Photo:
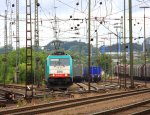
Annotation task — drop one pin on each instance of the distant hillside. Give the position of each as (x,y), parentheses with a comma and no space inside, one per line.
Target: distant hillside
(2,50)
(83,47)
(148,43)
(136,47)
(72,46)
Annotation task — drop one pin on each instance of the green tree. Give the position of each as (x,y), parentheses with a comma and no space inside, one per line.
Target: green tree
(104,61)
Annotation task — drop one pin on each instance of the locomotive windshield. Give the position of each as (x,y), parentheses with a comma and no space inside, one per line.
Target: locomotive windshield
(59,62)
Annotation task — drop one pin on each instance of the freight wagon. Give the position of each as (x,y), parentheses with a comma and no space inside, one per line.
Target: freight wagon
(78,73)
(95,73)
(138,71)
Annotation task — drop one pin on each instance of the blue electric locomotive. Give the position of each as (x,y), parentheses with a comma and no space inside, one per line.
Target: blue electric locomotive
(58,71)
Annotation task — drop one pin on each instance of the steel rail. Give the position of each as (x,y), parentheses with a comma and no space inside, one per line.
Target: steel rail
(6,90)
(54,106)
(92,87)
(144,112)
(123,108)
(81,86)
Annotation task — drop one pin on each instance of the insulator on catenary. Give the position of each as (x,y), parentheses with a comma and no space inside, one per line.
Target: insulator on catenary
(77,3)
(38,4)
(13,5)
(70,16)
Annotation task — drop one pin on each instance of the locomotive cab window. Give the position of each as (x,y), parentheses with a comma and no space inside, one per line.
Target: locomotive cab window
(59,62)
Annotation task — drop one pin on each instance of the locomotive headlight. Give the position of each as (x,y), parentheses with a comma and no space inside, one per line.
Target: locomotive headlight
(65,74)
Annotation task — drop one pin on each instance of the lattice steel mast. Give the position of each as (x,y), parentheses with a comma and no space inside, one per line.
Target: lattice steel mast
(36,43)
(17,40)
(55,24)
(29,76)
(5,48)
(10,29)
(36,30)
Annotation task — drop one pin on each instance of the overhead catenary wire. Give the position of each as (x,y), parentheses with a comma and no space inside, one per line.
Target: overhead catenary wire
(72,7)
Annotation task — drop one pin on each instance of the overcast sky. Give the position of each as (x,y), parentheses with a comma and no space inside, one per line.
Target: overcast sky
(106,13)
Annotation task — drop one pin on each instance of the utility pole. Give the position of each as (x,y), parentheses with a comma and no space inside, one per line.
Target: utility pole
(120,38)
(89,44)
(104,55)
(145,50)
(17,41)
(80,50)
(125,43)
(36,44)
(117,52)
(117,55)
(131,47)
(110,57)
(97,52)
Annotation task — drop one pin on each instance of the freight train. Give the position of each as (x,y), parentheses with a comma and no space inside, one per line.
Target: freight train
(138,71)
(95,73)
(58,71)
(80,73)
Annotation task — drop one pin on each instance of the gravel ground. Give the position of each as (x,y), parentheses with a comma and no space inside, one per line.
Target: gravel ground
(89,108)
(100,106)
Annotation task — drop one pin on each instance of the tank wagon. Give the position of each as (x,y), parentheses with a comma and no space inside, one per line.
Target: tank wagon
(95,73)
(138,71)
(58,71)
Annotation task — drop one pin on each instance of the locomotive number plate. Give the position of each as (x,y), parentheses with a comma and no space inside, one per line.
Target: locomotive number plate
(59,71)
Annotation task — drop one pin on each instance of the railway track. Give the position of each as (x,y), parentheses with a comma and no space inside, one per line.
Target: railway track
(85,87)
(55,106)
(139,108)
(136,82)
(2,101)
(6,98)
(7,90)
(16,86)
(82,87)
(143,112)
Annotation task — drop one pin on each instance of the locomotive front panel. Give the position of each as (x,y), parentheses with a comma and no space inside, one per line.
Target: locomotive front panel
(59,68)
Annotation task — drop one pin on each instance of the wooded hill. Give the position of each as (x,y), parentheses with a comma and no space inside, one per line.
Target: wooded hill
(82,47)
